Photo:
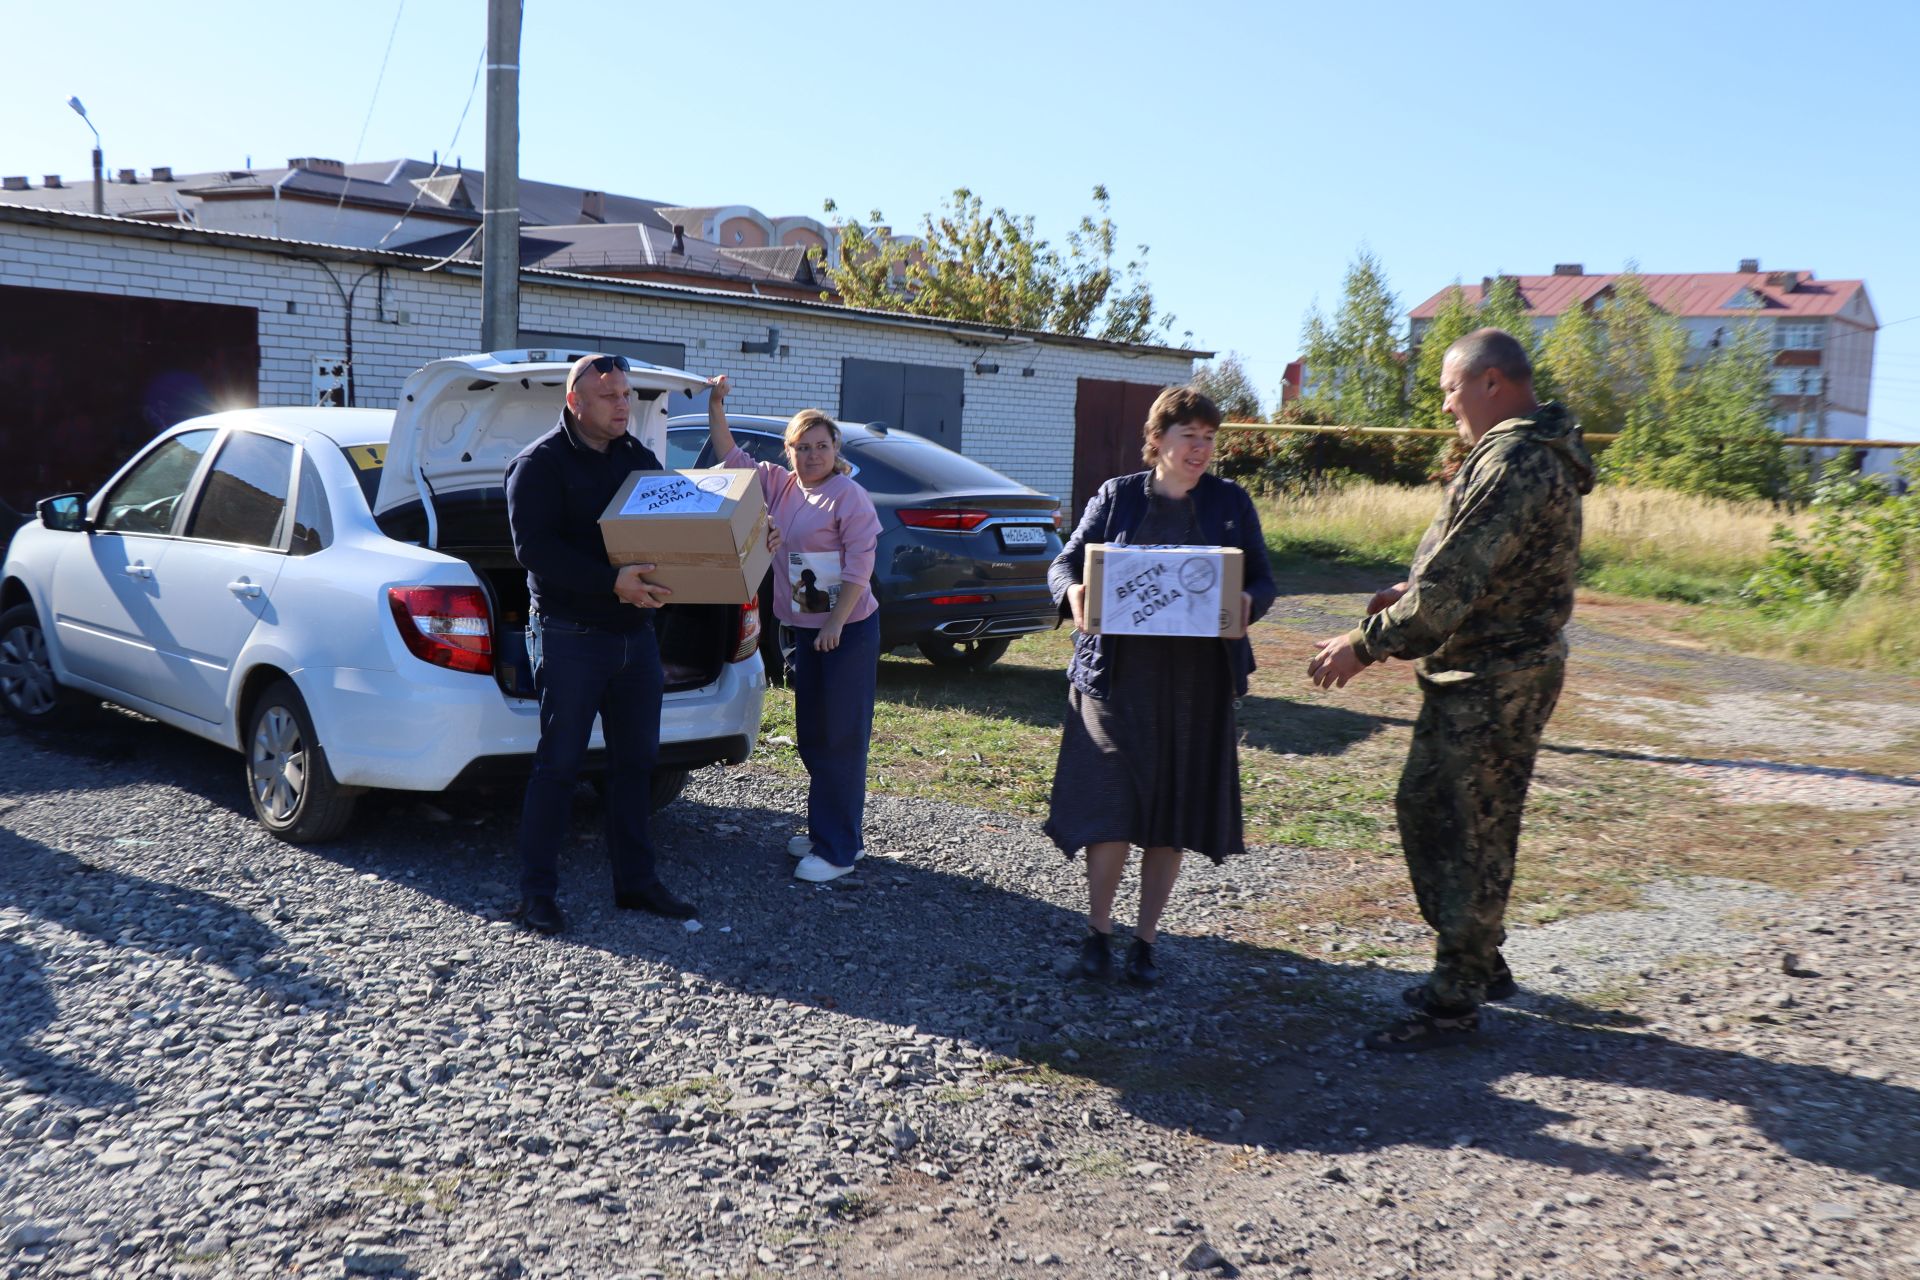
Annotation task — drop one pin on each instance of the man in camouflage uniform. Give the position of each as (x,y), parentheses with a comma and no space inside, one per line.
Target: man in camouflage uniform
(1482,609)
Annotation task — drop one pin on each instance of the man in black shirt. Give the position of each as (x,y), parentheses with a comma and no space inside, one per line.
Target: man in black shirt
(590,636)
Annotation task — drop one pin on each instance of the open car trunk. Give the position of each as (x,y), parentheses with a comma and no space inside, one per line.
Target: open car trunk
(459,423)
(695,639)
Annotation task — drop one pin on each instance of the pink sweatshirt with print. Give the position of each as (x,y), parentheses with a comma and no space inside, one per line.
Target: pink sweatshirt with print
(833,527)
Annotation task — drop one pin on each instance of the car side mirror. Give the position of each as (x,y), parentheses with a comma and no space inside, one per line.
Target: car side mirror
(66,513)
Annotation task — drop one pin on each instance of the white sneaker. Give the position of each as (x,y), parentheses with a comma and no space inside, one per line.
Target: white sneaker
(802,846)
(817,869)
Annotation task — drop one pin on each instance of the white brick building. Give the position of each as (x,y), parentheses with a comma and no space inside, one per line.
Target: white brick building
(1020,410)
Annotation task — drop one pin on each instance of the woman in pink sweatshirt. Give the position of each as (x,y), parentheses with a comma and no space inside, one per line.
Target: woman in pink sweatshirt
(823,597)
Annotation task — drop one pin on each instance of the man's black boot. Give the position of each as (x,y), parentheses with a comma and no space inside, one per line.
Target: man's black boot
(541,914)
(657,899)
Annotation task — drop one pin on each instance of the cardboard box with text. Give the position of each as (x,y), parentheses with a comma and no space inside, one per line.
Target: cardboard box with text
(1164,591)
(705,530)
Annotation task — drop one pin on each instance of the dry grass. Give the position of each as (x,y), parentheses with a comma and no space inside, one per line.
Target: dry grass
(1643,542)
(1676,531)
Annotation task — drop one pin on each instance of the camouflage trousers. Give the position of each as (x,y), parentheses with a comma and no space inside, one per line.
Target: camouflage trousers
(1459,806)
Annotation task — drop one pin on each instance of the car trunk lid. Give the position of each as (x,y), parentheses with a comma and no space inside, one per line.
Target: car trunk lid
(460,421)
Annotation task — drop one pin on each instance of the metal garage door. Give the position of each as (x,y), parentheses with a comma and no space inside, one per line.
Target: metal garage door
(921,398)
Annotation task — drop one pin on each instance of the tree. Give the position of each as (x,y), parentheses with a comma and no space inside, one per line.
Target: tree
(991,267)
(1453,321)
(1356,373)
(1711,433)
(1572,369)
(1504,308)
(1227,384)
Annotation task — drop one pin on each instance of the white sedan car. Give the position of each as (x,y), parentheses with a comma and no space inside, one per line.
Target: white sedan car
(333,593)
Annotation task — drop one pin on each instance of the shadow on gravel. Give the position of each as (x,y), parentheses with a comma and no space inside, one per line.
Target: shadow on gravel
(112,747)
(1233,1027)
(122,911)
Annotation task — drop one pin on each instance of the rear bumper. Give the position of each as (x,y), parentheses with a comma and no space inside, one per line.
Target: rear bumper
(1014,612)
(697,754)
(422,728)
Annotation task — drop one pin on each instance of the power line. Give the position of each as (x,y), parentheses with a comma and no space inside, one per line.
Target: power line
(347,182)
(419,187)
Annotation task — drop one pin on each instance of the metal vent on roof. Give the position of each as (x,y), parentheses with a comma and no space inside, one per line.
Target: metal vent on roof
(1568,269)
(163,173)
(446,190)
(14,182)
(1749,266)
(51,182)
(316,164)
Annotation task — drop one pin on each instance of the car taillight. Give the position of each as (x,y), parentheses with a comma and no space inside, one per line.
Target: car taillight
(951,519)
(447,626)
(746,631)
(1059,520)
(960,599)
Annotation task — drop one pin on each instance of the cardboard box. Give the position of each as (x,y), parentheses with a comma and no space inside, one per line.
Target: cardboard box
(1164,591)
(705,530)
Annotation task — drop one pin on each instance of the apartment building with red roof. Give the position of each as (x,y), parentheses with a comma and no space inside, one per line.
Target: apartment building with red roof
(1821,331)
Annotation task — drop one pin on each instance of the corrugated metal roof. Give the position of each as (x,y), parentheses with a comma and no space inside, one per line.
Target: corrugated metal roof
(1703,294)
(411,259)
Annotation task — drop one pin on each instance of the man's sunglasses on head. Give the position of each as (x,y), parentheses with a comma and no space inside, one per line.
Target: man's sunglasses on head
(607,364)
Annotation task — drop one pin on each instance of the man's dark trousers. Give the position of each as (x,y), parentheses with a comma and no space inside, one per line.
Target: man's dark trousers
(582,671)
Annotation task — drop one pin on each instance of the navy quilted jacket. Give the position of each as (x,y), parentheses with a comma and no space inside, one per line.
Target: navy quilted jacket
(1227,518)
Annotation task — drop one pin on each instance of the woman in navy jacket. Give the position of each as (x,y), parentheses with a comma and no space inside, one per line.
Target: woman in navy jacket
(1149,755)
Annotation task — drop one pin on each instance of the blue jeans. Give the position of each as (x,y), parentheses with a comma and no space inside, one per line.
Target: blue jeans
(582,672)
(833,722)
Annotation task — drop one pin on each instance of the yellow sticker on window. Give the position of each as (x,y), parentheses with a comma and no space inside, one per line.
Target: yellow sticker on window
(367,457)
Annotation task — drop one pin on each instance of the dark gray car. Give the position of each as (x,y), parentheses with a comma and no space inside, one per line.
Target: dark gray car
(961,567)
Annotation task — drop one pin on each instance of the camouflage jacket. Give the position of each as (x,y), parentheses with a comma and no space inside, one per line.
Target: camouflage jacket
(1492,583)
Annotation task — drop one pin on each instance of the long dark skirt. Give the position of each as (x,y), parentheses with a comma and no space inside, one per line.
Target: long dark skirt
(1156,763)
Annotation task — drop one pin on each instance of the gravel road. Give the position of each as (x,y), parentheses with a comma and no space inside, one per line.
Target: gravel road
(224,1056)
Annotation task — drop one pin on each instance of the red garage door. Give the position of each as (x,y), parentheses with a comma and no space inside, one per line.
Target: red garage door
(86,378)
(1107,420)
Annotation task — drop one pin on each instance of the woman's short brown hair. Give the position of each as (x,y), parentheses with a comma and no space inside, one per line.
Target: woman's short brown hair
(805,421)
(1172,407)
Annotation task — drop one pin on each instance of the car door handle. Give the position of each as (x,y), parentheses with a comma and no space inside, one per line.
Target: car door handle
(244,589)
(137,570)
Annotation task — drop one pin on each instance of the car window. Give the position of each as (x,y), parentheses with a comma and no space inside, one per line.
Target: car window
(899,465)
(312,520)
(762,447)
(144,500)
(684,445)
(368,461)
(246,492)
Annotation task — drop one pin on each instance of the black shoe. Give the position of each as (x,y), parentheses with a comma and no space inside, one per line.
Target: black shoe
(1096,956)
(1141,971)
(541,914)
(657,899)
(1501,988)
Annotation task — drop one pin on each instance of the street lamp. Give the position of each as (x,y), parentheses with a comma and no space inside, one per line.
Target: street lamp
(99,190)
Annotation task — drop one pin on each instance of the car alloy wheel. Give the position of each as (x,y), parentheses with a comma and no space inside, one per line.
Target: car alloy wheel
(26,671)
(279,764)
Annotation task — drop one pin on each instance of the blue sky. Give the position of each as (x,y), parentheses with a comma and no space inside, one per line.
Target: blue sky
(1254,147)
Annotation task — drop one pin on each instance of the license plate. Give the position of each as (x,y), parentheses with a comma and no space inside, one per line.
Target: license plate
(1023,536)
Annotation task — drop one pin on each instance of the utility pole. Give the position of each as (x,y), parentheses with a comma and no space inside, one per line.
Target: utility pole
(500,232)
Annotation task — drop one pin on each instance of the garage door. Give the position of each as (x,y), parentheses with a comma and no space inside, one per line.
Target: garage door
(922,398)
(86,378)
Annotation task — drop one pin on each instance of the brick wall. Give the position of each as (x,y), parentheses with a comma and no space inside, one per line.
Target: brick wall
(1021,425)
